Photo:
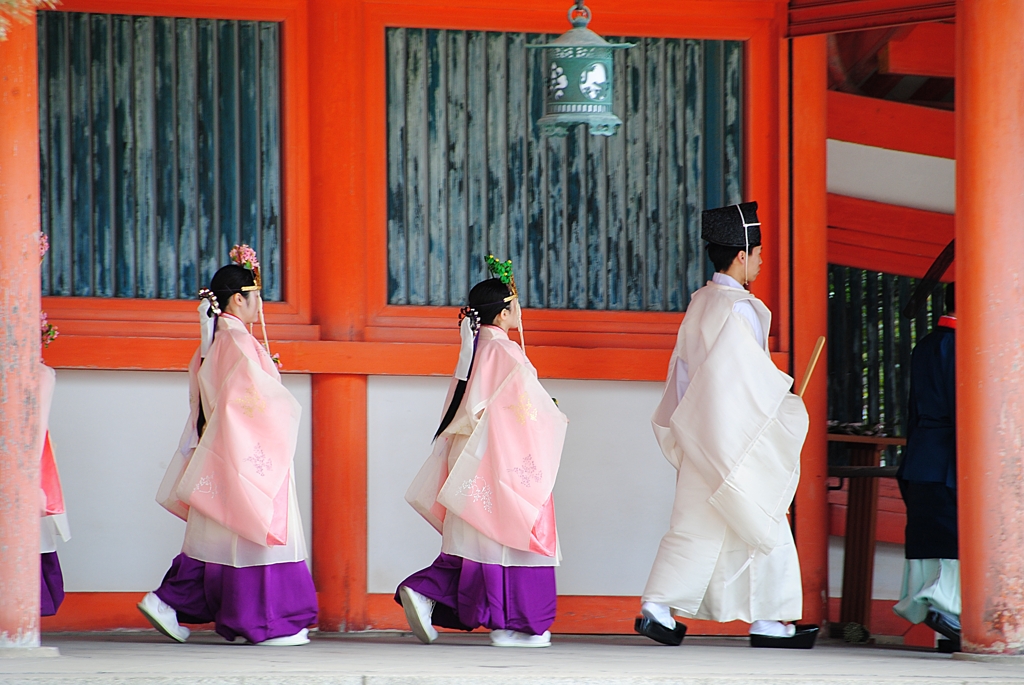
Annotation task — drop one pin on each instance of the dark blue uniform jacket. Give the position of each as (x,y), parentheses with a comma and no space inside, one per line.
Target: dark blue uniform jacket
(927,475)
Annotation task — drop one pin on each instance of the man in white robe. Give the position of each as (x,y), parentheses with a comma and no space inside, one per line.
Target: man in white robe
(731,427)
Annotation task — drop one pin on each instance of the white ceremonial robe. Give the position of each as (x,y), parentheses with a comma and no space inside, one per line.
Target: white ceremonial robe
(734,436)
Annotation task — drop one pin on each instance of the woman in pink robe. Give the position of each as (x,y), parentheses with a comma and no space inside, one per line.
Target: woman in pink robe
(242,565)
(487,489)
(54,522)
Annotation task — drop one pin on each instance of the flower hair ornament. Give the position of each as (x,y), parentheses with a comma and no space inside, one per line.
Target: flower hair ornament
(47,331)
(245,257)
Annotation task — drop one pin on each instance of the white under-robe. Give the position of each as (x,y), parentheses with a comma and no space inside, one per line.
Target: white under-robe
(735,437)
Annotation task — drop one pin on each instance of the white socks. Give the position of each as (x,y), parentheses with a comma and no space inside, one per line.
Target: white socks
(418,610)
(512,638)
(772,629)
(658,613)
(299,638)
(163,617)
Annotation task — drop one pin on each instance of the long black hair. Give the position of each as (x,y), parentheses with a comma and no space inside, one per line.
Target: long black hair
(488,299)
(228,280)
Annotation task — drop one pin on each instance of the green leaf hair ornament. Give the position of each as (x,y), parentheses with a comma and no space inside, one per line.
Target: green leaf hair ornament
(503,272)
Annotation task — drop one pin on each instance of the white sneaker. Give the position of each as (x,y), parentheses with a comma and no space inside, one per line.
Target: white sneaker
(512,638)
(163,617)
(418,610)
(299,638)
(659,613)
(772,629)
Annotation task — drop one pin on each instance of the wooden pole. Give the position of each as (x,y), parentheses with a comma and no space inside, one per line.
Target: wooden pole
(811,363)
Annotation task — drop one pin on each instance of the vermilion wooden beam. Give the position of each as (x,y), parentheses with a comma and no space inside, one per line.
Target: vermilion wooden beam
(810,311)
(577,615)
(989,299)
(339,500)
(887,238)
(807,17)
(364,358)
(890,125)
(928,50)
(20,446)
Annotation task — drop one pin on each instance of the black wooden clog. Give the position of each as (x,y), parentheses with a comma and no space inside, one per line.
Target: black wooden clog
(660,633)
(804,638)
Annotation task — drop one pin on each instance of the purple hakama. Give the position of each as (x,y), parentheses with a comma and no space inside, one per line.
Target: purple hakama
(51,585)
(255,602)
(469,594)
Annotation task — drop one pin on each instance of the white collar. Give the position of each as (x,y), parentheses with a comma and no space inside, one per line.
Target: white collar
(726,280)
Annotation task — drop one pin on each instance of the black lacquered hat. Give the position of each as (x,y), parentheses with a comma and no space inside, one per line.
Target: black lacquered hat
(732,226)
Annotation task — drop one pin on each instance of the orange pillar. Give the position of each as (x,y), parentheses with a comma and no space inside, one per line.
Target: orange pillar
(19,341)
(810,311)
(339,500)
(338,238)
(990,309)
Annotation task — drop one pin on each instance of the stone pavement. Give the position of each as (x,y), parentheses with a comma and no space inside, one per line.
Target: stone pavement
(145,658)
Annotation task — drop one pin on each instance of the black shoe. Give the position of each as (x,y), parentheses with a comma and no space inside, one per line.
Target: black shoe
(803,639)
(942,625)
(659,633)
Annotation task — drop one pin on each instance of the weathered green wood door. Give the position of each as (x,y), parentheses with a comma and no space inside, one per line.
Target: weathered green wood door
(590,222)
(159,150)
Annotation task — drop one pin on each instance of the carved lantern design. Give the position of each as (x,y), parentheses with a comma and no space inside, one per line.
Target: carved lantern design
(579,74)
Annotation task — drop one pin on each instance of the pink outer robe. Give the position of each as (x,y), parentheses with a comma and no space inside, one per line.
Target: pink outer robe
(494,467)
(239,473)
(53,494)
(52,509)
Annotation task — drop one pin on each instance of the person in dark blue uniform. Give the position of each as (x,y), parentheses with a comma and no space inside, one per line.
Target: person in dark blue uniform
(927,480)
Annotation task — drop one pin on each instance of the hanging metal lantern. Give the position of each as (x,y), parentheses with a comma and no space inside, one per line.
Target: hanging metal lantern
(579,70)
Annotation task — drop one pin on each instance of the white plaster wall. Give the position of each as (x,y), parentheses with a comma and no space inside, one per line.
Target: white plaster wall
(114,433)
(897,178)
(613,496)
(888,577)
